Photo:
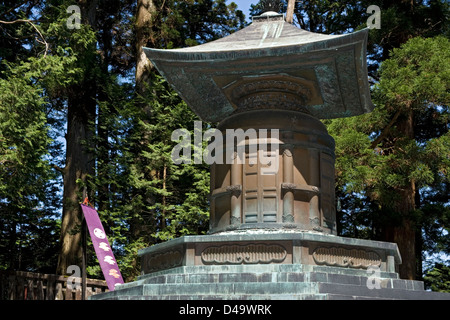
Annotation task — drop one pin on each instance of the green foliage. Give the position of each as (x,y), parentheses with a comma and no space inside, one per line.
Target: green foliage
(416,75)
(32,102)
(438,278)
(377,157)
(175,195)
(404,86)
(27,231)
(188,23)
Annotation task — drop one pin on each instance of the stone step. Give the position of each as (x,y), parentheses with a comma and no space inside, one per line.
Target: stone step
(286,282)
(256,288)
(346,291)
(225,278)
(215,289)
(267,290)
(257,269)
(273,277)
(339,285)
(236,297)
(331,296)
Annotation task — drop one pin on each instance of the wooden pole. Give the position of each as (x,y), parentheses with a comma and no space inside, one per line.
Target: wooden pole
(83,262)
(290,11)
(84,251)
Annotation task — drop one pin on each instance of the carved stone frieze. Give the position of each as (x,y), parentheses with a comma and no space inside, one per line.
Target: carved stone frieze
(272,92)
(244,254)
(271,100)
(164,260)
(283,88)
(343,257)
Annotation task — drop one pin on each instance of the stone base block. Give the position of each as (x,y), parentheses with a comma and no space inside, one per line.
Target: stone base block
(270,265)
(265,247)
(268,282)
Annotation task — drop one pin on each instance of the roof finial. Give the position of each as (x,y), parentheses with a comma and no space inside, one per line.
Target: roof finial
(271,6)
(269,11)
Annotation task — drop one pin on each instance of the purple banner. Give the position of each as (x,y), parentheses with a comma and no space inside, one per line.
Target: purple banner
(102,248)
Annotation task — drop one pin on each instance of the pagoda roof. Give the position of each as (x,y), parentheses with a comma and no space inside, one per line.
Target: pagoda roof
(324,75)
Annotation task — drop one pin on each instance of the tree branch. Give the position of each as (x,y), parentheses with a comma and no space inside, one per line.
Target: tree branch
(35,28)
(385,130)
(59,169)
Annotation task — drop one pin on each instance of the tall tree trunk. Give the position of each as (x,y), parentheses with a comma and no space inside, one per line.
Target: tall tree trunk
(404,234)
(145,10)
(79,161)
(79,164)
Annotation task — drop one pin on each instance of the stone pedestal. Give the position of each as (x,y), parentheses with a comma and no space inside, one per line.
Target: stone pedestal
(253,247)
(262,265)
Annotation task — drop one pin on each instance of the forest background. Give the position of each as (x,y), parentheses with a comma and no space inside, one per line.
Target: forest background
(84,113)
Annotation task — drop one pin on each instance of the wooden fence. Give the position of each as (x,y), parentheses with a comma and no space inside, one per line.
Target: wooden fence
(19,285)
